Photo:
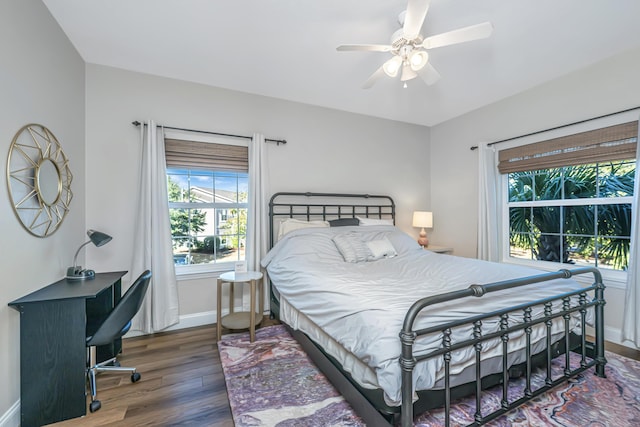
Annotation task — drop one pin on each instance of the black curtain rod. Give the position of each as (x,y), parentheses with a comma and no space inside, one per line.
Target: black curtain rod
(277,141)
(475,147)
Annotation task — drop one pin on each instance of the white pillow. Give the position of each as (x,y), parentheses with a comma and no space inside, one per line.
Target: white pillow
(352,248)
(381,249)
(290,224)
(402,242)
(374,221)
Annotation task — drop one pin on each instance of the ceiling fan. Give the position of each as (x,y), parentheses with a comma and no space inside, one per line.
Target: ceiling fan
(409,48)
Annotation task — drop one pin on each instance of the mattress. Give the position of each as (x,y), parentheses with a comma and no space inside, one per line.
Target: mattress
(355,310)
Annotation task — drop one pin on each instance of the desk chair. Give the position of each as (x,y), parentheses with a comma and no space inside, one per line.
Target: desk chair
(116,324)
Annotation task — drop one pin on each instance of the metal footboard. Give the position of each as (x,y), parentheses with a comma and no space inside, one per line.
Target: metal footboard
(590,355)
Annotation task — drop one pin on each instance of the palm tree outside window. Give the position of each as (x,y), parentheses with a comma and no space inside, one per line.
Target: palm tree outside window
(578,214)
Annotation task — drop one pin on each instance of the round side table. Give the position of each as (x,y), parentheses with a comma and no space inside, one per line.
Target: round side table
(241,319)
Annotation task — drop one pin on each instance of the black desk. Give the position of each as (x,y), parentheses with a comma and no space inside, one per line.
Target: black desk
(54,322)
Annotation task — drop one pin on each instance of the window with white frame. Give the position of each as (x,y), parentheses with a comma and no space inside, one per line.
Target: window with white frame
(569,199)
(208,197)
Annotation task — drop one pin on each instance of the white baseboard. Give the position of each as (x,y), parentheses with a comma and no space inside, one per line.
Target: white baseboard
(11,418)
(614,335)
(193,320)
(187,321)
(200,319)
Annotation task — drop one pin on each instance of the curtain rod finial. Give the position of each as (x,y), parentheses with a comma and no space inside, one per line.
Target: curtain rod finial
(135,123)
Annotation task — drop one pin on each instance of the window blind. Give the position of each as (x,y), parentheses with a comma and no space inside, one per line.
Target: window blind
(206,155)
(611,143)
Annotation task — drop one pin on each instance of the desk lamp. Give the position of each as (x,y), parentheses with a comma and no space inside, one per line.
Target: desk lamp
(76,272)
(423,220)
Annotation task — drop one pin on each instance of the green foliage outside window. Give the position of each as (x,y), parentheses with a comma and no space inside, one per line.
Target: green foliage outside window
(236,224)
(569,232)
(184,222)
(207,223)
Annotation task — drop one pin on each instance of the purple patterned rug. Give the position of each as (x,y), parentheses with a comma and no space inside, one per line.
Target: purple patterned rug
(272,382)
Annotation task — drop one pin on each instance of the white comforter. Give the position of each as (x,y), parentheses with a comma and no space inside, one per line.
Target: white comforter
(362,305)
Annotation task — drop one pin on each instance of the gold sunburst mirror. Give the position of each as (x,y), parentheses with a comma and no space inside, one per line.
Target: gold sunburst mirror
(39,180)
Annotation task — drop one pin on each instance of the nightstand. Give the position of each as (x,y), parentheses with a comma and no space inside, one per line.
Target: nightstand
(242,319)
(439,249)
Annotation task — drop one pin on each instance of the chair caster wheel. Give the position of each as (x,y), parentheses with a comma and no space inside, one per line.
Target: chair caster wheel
(135,377)
(94,406)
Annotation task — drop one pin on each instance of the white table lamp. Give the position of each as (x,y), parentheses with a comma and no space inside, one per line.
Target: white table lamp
(423,220)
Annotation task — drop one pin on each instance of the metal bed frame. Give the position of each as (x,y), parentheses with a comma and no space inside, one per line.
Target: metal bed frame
(370,405)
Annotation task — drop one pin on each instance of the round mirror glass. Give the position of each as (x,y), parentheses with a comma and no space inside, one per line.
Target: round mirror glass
(48,182)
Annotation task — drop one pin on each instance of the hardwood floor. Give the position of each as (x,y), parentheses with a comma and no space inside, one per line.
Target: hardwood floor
(631,353)
(182,383)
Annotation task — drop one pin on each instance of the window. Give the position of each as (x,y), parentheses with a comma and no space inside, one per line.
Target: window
(569,199)
(575,214)
(207,188)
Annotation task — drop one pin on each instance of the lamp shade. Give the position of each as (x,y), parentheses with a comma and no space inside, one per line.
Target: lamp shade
(98,238)
(423,219)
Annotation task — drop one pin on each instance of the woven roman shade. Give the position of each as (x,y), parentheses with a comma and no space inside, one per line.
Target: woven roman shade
(611,143)
(206,155)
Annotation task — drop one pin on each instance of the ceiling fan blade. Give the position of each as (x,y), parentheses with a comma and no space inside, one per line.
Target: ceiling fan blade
(414,18)
(365,47)
(461,35)
(429,74)
(374,78)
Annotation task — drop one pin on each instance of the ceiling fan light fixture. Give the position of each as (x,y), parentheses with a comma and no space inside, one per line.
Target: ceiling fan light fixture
(418,59)
(407,72)
(392,66)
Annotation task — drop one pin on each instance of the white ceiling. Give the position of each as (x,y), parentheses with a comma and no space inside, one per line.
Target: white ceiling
(287,48)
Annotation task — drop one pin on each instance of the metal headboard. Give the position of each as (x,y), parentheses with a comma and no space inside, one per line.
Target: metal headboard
(328,206)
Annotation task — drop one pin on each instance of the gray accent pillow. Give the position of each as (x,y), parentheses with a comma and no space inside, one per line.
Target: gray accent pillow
(342,222)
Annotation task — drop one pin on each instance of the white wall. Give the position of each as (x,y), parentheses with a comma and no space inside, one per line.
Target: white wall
(327,150)
(609,86)
(41,81)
